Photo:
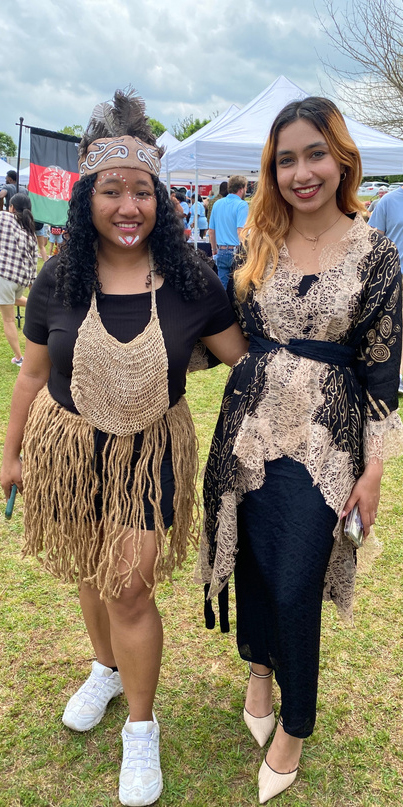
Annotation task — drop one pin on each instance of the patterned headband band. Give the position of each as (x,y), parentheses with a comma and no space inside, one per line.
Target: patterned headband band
(120,152)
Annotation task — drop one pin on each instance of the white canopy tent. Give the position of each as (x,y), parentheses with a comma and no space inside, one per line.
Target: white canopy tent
(24,176)
(4,168)
(187,147)
(234,145)
(167,140)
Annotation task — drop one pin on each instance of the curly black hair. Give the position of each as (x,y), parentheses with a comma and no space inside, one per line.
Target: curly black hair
(76,272)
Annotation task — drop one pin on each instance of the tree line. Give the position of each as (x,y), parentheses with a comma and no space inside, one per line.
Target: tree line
(181,130)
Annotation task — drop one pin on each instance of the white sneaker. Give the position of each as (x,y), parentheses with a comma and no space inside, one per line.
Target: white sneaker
(140,780)
(87,707)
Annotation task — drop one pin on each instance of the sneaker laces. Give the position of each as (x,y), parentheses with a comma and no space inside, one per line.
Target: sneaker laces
(93,690)
(139,751)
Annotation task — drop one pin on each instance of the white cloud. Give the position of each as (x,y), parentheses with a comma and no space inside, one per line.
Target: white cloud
(60,57)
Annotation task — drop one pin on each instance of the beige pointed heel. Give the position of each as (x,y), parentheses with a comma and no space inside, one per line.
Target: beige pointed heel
(272,783)
(260,727)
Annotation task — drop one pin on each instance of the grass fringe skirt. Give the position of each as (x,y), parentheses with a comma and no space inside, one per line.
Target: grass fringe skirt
(60,484)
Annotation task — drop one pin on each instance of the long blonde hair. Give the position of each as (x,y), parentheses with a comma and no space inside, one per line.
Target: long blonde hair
(270,215)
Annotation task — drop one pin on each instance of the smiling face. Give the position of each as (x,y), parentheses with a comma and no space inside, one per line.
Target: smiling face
(307,174)
(124,208)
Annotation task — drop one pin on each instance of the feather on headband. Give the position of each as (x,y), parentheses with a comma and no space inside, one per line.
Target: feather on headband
(118,135)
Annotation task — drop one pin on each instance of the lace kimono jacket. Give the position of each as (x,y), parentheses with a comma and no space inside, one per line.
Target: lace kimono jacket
(333,419)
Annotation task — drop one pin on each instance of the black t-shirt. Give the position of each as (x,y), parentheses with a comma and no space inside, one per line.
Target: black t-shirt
(48,322)
(11,191)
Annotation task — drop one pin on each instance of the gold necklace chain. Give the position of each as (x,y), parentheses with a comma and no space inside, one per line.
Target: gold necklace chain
(315,238)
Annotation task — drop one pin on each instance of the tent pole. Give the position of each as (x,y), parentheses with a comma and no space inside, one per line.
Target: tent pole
(195,221)
(168,177)
(19,153)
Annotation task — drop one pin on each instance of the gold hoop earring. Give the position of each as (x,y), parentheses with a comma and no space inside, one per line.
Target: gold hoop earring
(343,176)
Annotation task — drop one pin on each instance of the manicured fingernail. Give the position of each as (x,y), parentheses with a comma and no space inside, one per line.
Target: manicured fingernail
(343,514)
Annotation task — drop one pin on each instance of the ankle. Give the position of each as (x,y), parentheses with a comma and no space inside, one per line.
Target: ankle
(107,663)
(259,700)
(141,716)
(260,671)
(285,751)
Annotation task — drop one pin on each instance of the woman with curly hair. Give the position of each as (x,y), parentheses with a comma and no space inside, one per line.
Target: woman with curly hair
(17,265)
(106,433)
(308,416)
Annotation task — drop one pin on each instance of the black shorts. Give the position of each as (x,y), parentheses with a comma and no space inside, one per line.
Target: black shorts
(167,487)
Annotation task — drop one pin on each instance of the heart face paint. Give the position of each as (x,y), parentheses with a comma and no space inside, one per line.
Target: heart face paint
(129,240)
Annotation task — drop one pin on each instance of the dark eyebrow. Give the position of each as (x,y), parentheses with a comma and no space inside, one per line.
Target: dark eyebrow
(311,146)
(109,180)
(143,182)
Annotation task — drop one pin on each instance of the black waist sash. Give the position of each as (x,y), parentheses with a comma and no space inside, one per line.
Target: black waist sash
(326,352)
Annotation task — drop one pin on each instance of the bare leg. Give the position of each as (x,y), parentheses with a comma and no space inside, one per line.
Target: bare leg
(41,247)
(259,693)
(97,623)
(284,752)
(136,635)
(10,329)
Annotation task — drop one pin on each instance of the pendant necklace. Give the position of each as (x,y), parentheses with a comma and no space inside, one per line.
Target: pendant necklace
(315,238)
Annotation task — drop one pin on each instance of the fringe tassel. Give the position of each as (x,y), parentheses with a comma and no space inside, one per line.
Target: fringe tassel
(60,485)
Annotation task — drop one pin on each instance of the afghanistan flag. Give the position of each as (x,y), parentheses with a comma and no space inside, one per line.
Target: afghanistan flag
(53,172)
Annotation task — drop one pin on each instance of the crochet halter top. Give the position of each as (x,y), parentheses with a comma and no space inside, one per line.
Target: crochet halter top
(120,388)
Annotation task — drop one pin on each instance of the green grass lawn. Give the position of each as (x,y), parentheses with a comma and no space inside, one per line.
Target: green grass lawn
(209,759)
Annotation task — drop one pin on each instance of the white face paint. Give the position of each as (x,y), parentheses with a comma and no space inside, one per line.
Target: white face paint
(129,240)
(115,219)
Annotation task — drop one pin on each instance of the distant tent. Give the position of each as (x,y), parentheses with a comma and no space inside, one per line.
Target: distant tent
(186,148)
(167,140)
(24,175)
(5,167)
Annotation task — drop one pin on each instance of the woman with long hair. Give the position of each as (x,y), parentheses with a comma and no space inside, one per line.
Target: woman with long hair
(17,265)
(308,416)
(106,433)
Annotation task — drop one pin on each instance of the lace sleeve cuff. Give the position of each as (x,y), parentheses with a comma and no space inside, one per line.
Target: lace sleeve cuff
(383,439)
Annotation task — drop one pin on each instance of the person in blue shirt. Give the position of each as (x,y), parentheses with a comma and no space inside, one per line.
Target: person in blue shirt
(181,207)
(202,223)
(228,217)
(388,219)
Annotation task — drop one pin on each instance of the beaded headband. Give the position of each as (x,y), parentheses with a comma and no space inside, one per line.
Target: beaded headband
(120,152)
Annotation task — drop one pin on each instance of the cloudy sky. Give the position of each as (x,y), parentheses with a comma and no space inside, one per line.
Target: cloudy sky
(61,57)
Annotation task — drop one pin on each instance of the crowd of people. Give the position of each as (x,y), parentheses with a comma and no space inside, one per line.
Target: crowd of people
(306,310)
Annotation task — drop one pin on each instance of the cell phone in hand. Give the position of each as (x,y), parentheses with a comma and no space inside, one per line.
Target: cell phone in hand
(353,527)
(10,502)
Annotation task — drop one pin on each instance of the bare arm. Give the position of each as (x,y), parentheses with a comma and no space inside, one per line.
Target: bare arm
(32,377)
(229,345)
(213,242)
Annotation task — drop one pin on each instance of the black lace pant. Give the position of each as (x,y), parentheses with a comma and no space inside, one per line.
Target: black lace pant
(285,540)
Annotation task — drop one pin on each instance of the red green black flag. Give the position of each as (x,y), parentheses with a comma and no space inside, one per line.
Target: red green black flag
(53,172)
